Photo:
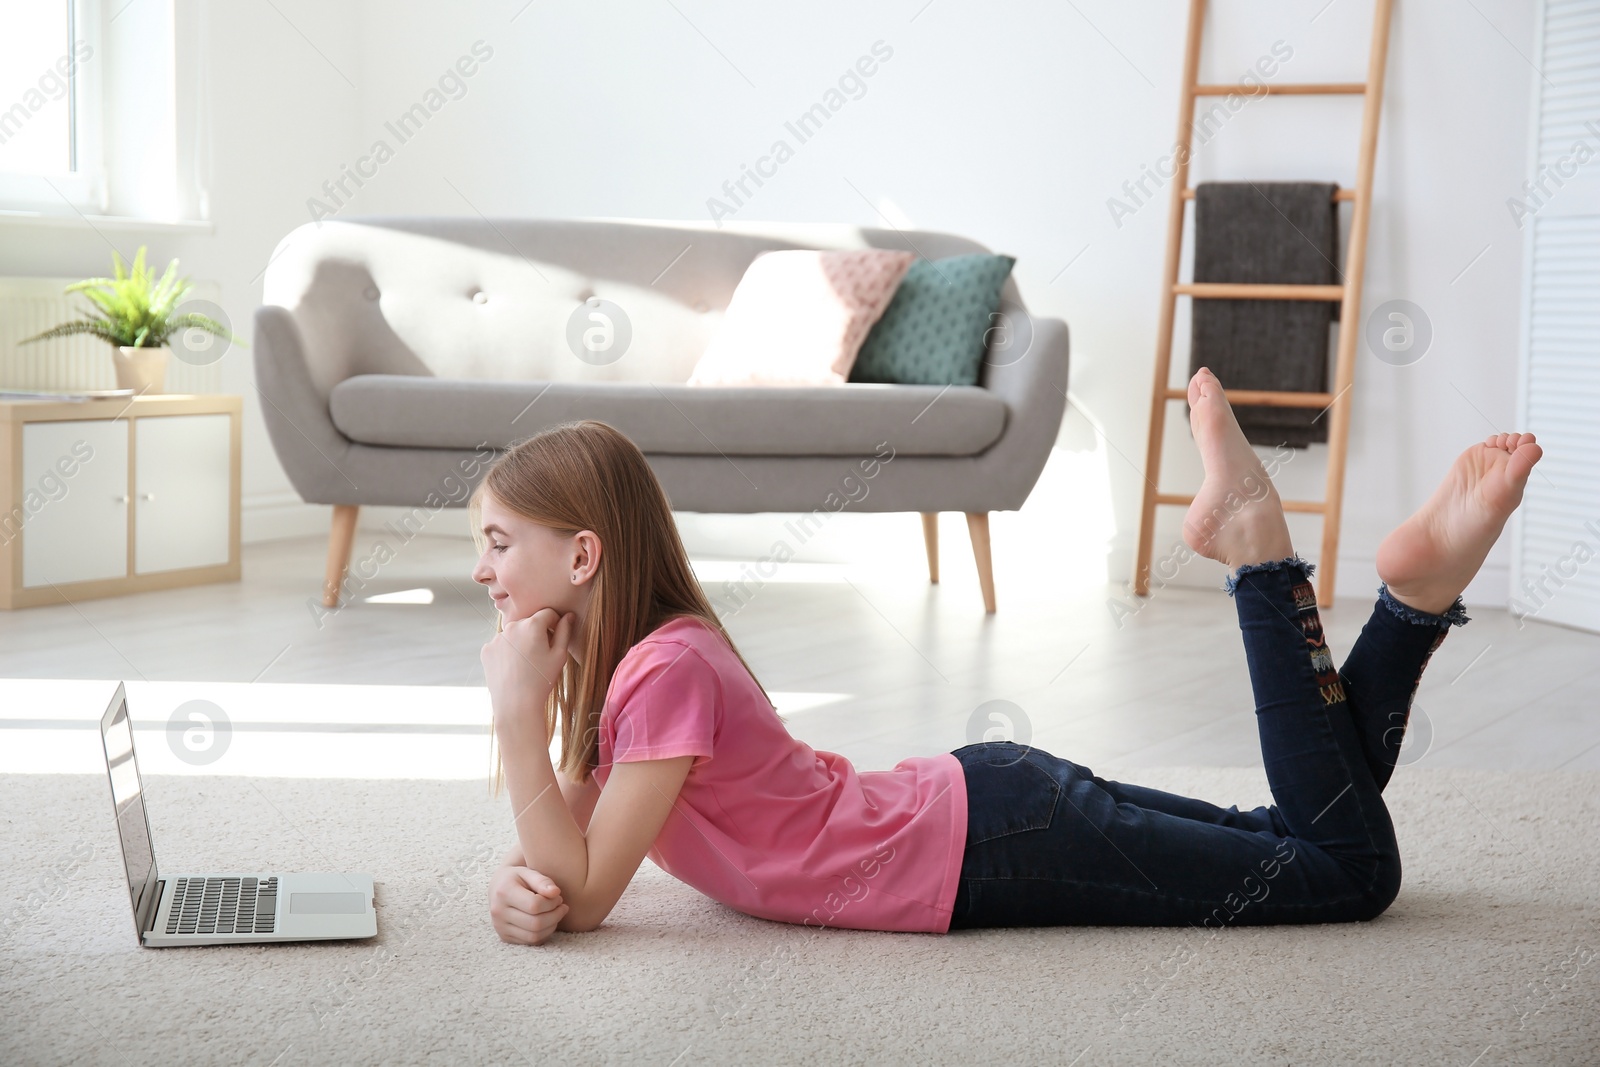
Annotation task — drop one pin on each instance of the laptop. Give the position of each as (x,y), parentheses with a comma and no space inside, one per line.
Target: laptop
(219,909)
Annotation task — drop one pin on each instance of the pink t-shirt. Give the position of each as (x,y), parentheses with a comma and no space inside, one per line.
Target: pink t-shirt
(766,824)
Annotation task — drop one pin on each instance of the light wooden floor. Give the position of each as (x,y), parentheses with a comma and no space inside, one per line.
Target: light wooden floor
(900,665)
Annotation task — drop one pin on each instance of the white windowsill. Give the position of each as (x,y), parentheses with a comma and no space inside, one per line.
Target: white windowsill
(104,222)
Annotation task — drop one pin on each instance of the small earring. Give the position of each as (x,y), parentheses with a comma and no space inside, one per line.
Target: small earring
(574,577)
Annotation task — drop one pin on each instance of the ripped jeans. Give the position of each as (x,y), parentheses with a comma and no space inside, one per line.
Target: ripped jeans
(1050,844)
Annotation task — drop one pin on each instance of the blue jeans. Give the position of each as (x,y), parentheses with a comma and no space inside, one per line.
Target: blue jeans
(1050,844)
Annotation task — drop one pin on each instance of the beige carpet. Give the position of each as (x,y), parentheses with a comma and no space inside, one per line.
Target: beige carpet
(1488,957)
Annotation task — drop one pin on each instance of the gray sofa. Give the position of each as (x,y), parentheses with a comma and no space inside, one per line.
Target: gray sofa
(391,353)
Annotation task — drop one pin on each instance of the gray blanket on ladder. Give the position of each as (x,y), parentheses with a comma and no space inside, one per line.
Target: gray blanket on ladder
(1283,232)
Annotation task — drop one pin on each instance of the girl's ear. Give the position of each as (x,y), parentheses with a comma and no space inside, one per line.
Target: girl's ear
(586,551)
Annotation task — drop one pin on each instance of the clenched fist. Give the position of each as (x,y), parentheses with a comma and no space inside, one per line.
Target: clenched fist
(524,905)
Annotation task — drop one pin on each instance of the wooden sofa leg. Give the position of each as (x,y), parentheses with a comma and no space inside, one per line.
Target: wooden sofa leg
(978,528)
(340,538)
(930,538)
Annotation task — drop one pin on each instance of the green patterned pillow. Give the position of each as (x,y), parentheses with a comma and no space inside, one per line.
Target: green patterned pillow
(932,332)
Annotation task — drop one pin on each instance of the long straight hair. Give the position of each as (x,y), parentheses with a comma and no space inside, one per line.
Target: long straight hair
(588,476)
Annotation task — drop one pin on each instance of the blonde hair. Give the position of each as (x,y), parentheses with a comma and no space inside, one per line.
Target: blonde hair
(588,476)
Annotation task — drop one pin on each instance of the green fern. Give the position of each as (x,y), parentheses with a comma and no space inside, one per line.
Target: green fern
(135,308)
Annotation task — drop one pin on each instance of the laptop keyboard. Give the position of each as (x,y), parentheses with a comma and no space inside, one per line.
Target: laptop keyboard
(223,906)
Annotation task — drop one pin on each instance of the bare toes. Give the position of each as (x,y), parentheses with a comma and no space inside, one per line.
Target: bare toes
(1522,461)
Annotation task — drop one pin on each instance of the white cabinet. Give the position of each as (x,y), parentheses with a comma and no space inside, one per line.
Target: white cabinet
(180,492)
(117,495)
(1555,534)
(76,476)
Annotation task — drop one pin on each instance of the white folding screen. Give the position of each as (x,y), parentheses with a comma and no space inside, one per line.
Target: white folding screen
(1555,571)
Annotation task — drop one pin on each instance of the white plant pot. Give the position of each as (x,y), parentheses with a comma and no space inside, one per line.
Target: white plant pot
(144,370)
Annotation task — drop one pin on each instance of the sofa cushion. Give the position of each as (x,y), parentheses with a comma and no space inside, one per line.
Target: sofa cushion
(799,316)
(934,331)
(416,411)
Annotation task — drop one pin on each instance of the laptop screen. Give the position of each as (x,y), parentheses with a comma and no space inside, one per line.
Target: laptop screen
(127,793)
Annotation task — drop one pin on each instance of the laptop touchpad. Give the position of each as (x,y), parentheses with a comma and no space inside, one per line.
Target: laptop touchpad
(327,903)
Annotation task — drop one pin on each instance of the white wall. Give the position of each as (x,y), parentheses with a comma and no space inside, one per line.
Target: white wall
(1010,122)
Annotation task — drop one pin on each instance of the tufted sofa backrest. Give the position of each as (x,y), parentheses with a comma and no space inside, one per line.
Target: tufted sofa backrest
(492,298)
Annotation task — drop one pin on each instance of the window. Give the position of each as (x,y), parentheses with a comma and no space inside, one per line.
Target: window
(91,120)
(50,157)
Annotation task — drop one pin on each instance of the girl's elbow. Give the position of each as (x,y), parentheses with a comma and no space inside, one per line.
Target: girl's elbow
(573,923)
(584,917)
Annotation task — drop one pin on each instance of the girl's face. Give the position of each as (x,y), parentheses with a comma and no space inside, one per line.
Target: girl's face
(528,567)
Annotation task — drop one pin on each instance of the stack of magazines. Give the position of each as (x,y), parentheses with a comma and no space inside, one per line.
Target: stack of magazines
(50,394)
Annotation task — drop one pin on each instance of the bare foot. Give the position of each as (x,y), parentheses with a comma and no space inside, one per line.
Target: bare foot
(1236,517)
(1429,559)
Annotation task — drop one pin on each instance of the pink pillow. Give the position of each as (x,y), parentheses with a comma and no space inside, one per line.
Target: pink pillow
(799,316)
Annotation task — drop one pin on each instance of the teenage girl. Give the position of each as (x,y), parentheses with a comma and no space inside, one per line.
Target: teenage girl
(671,748)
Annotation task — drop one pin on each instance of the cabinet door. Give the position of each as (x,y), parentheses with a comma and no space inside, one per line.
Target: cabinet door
(1553,532)
(181,489)
(77,475)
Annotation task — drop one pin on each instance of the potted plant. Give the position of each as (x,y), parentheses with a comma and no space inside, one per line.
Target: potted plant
(136,317)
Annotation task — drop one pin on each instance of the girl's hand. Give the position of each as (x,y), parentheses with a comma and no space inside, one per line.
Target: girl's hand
(524,906)
(522,663)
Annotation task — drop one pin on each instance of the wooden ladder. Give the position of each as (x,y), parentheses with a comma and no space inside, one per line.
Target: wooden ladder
(1348,295)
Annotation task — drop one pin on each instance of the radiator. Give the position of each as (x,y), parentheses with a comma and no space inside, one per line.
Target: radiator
(32,305)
